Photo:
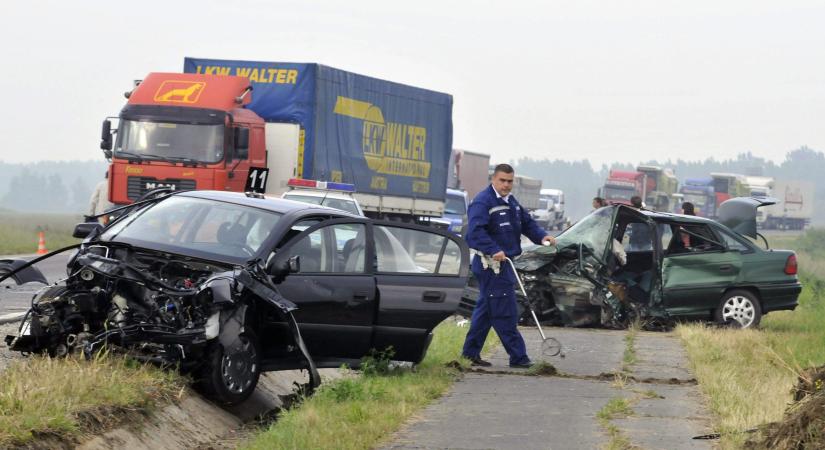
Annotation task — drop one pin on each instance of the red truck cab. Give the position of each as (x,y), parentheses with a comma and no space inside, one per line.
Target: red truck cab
(621,185)
(183,131)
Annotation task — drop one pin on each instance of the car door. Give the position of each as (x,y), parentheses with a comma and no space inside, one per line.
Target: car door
(420,273)
(334,289)
(697,268)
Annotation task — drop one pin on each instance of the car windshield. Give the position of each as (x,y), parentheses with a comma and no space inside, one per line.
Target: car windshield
(455,205)
(337,203)
(593,231)
(170,141)
(197,227)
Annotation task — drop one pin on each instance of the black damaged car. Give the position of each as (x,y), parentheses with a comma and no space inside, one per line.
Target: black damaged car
(226,286)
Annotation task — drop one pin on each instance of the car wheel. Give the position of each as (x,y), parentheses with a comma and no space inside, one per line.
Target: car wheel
(739,306)
(229,376)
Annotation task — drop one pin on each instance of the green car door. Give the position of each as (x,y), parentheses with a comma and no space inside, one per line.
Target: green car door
(697,268)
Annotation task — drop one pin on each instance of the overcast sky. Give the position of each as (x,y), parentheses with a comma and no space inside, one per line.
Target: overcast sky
(602,80)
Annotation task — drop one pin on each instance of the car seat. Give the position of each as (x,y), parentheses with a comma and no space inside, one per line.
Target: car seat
(232,234)
(354,253)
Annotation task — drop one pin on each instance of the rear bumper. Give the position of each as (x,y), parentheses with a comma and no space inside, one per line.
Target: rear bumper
(778,297)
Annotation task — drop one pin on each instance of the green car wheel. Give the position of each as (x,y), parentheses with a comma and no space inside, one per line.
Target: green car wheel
(740,306)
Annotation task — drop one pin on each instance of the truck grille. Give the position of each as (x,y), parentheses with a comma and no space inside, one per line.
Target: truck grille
(137,186)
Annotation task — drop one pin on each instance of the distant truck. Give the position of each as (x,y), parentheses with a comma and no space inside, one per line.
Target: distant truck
(729,185)
(658,187)
(794,207)
(468,171)
(760,187)
(550,214)
(621,185)
(699,191)
(527,190)
(207,129)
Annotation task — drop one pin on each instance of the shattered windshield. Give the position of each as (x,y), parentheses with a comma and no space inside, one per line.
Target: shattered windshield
(197,227)
(593,231)
(166,140)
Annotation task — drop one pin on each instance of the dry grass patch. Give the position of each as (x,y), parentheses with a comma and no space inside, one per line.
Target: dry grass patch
(65,398)
(746,382)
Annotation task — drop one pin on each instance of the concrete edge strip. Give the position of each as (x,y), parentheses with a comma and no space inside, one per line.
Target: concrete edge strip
(12,317)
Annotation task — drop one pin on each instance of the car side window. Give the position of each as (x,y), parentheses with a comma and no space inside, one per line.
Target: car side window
(733,243)
(404,250)
(694,238)
(314,256)
(349,241)
(637,238)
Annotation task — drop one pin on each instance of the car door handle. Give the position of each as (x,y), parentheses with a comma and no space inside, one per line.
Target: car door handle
(433,296)
(360,296)
(725,268)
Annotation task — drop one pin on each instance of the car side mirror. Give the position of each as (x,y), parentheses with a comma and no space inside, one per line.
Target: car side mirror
(83,230)
(106,137)
(241,143)
(283,264)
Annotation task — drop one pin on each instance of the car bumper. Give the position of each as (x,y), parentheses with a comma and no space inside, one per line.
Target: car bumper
(778,297)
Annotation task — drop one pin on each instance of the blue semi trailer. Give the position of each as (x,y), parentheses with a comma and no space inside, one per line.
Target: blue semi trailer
(391,141)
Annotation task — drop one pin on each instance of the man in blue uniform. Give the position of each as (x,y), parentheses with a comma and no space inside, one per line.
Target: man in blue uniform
(497,222)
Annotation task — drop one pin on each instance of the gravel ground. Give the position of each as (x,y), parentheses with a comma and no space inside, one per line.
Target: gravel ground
(7,356)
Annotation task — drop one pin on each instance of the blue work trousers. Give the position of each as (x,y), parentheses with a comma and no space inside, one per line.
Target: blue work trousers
(496,308)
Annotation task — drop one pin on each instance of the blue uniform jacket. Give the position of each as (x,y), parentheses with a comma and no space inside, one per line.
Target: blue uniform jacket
(496,225)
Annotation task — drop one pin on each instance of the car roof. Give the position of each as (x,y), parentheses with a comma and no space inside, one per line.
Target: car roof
(322,193)
(660,216)
(278,205)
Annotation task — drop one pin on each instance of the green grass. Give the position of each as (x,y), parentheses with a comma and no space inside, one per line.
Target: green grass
(19,231)
(616,407)
(629,356)
(747,374)
(360,412)
(68,397)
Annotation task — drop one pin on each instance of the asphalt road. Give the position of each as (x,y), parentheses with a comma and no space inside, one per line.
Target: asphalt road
(502,408)
(14,298)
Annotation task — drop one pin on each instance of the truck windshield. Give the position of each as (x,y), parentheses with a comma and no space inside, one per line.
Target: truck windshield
(170,141)
(617,193)
(455,205)
(698,200)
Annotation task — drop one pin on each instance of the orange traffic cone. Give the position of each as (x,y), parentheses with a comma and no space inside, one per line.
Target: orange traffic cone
(41,243)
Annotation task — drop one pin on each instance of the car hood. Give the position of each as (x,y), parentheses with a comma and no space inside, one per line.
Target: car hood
(739,214)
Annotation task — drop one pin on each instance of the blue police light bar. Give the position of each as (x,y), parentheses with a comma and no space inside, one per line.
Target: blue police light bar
(327,185)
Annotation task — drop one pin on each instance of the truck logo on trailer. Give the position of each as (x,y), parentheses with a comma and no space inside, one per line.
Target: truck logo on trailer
(389,148)
(175,91)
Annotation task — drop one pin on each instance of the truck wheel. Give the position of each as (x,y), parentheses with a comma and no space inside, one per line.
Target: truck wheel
(229,376)
(739,306)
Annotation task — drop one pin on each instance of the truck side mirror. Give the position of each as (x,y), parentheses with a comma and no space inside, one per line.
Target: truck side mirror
(241,143)
(106,137)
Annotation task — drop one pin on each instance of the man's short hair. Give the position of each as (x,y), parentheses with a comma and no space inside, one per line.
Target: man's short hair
(636,201)
(506,168)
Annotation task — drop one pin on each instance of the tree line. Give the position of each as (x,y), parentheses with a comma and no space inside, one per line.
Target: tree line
(66,186)
(49,186)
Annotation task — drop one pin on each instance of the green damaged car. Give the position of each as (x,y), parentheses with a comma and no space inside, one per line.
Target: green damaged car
(621,264)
